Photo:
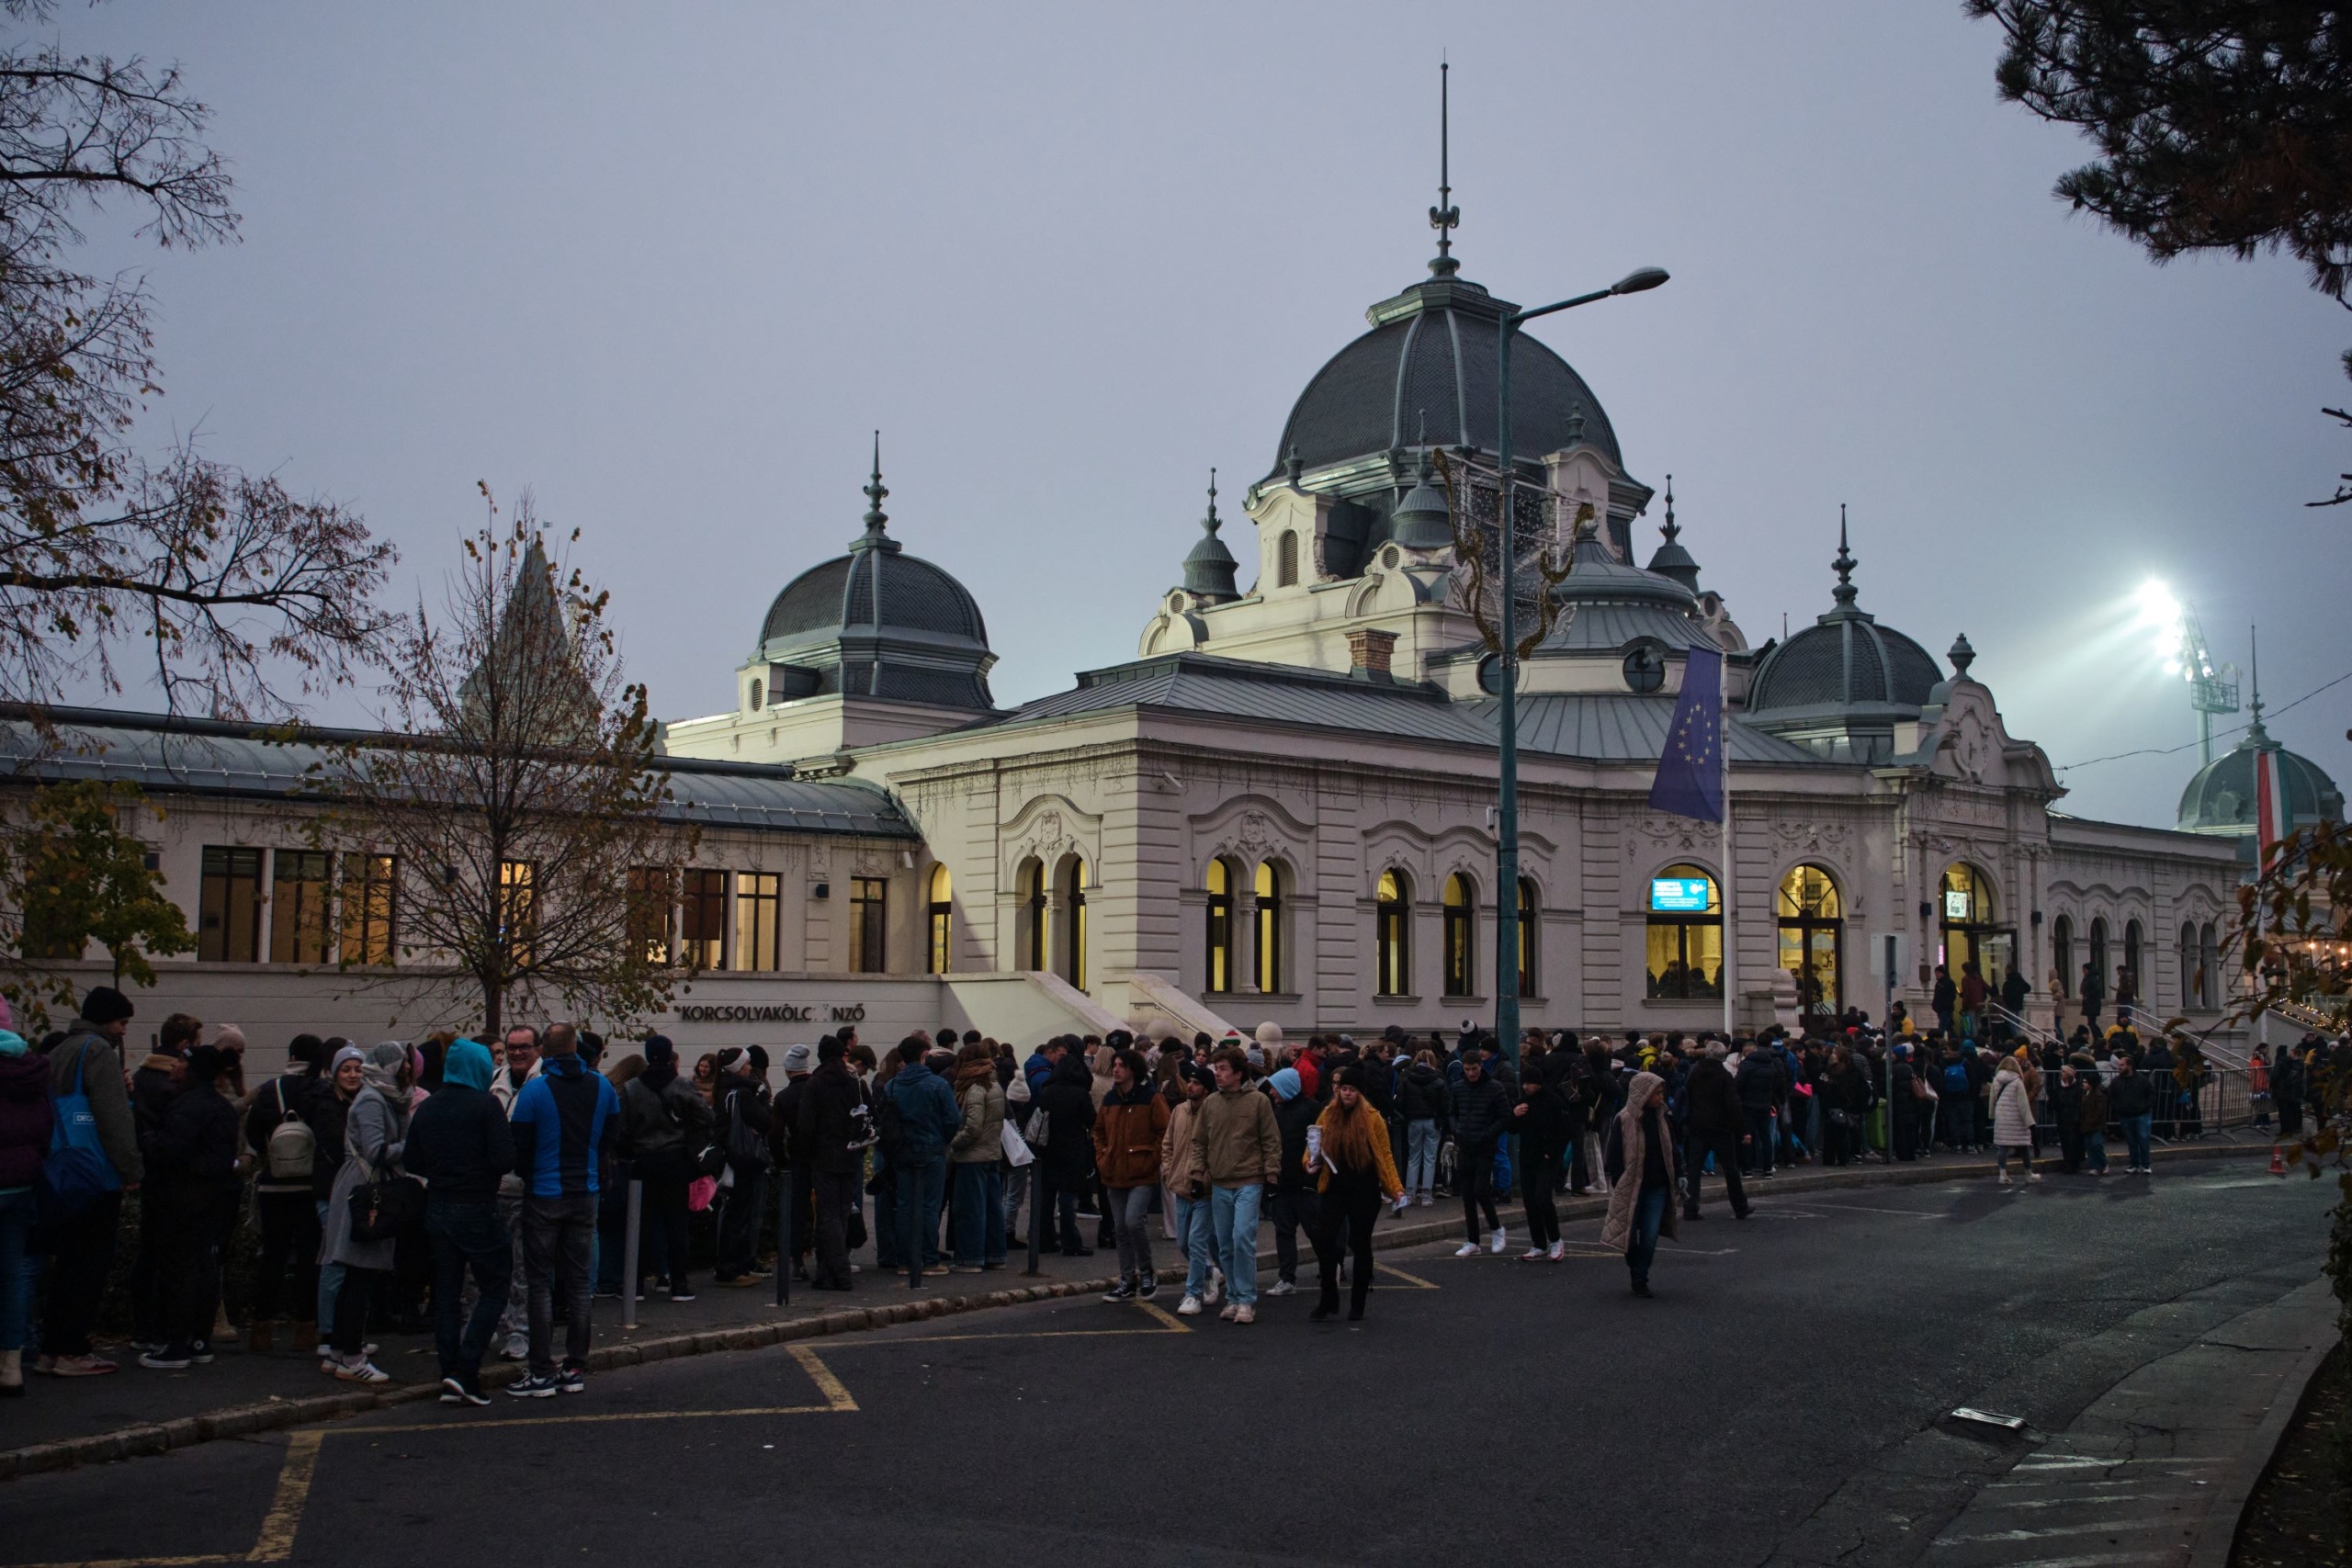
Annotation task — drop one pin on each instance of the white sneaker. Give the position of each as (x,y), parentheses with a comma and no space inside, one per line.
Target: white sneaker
(1245,1315)
(1280,1288)
(1534,1255)
(1230,1310)
(1467,1249)
(516,1348)
(1495,1242)
(2033,1176)
(359,1370)
(2001,1178)
(1189,1307)
(1558,1250)
(1426,1200)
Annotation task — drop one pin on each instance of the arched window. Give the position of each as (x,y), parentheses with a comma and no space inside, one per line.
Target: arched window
(2099,955)
(1033,914)
(1813,928)
(940,948)
(2062,956)
(1220,925)
(1686,936)
(1461,936)
(759,693)
(1392,934)
(1528,949)
(1286,559)
(2132,961)
(2188,965)
(1273,962)
(1074,923)
(1964,905)
(2209,966)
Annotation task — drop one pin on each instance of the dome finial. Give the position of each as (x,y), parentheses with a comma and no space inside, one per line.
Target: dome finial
(2254,730)
(1845,592)
(875,517)
(1671,528)
(1209,570)
(1963,654)
(1445,217)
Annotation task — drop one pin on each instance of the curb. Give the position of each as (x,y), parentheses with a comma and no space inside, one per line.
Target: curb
(133,1442)
(2233,1495)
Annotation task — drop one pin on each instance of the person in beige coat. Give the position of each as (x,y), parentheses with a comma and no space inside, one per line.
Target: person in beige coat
(2012,1120)
(1637,1156)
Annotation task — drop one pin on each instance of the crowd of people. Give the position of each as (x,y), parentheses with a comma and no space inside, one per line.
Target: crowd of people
(484,1188)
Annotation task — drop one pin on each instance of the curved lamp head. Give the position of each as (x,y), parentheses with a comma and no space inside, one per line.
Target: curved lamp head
(1636,282)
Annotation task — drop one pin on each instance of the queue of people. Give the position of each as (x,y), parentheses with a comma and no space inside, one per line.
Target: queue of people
(480,1187)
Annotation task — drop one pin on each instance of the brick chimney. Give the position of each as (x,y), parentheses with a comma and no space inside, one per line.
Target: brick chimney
(1368,654)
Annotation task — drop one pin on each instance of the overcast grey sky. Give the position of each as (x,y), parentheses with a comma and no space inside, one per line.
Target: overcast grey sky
(668,266)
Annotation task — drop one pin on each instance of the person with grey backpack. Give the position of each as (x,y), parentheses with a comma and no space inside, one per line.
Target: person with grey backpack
(286,1151)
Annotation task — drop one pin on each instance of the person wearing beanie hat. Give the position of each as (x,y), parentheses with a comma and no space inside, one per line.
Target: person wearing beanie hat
(755,1062)
(89,1062)
(1185,1177)
(1354,1173)
(1290,1203)
(828,1138)
(665,1123)
(741,1110)
(190,1189)
(460,1142)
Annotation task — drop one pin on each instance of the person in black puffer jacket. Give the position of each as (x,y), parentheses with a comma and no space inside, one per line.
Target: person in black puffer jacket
(27,1120)
(460,1142)
(1421,1103)
(191,1159)
(1479,1107)
(1540,1120)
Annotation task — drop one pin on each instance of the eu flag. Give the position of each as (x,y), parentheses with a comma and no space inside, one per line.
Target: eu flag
(1690,780)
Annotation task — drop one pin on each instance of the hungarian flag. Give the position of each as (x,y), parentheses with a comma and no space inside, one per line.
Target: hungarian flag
(1690,780)
(2271,822)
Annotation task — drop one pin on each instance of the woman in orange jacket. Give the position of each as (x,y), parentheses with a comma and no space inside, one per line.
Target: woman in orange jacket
(1347,1153)
(1127,1131)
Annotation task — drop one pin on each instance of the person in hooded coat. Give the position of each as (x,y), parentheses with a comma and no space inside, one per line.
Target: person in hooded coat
(460,1142)
(1068,1104)
(375,1134)
(190,1149)
(1638,1159)
(28,1122)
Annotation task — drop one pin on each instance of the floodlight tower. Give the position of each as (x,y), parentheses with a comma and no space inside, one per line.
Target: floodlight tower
(2212,688)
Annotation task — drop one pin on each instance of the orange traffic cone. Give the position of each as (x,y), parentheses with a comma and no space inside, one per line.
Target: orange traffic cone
(2278,1164)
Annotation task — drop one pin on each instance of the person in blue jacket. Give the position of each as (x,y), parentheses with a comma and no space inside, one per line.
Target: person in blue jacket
(564,1123)
(928,1118)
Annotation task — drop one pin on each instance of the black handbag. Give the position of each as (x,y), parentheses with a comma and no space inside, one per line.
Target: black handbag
(385,1211)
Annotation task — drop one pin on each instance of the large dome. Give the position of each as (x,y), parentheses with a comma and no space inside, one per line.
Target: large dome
(2220,796)
(1426,376)
(1845,661)
(878,623)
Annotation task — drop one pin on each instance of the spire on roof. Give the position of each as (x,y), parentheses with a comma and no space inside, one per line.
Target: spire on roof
(2254,734)
(1209,568)
(1445,217)
(1671,559)
(1844,565)
(875,538)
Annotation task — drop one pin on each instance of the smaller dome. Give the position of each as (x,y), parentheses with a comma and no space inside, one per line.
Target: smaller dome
(2220,799)
(1209,567)
(1845,660)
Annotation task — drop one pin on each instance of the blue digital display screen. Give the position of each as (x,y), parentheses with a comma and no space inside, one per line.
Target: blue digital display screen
(1679,895)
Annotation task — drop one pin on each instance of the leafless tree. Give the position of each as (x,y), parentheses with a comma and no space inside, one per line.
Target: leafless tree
(521,795)
(220,577)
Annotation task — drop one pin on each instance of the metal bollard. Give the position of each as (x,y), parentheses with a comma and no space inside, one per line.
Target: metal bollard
(1036,1196)
(628,1253)
(786,1210)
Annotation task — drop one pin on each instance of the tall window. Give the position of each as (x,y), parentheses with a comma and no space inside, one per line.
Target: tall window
(1392,925)
(1286,559)
(2062,956)
(941,955)
(649,913)
(2131,957)
(2098,956)
(1686,936)
(1033,913)
(1273,962)
(1528,949)
(297,906)
(1074,923)
(702,920)
(759,921)
(2190,972)
(2209,966)
(1220,926)
(370,902)
(868,923)
(1461,936)
(1964,904)
(1812,927)
(518,906)
(229,908)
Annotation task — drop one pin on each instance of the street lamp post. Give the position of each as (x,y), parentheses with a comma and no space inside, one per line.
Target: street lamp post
(1507,823)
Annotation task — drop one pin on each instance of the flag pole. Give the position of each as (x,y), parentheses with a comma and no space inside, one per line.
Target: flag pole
(1731,870)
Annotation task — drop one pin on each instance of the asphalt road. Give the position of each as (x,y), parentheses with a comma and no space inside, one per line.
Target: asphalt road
(1487,1410)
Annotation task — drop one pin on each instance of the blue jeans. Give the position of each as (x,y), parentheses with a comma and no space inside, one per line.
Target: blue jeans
(2095,1151)
(330,1281)
(975,1222)
(922,1188)
(1649,1213)
(466,1235)
(1197,1239)
(1236,1211)
(1421,1155)
(2135,1141)
(17,1266)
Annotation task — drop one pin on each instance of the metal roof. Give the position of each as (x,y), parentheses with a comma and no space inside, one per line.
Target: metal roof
(1600,727)
(166,754)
